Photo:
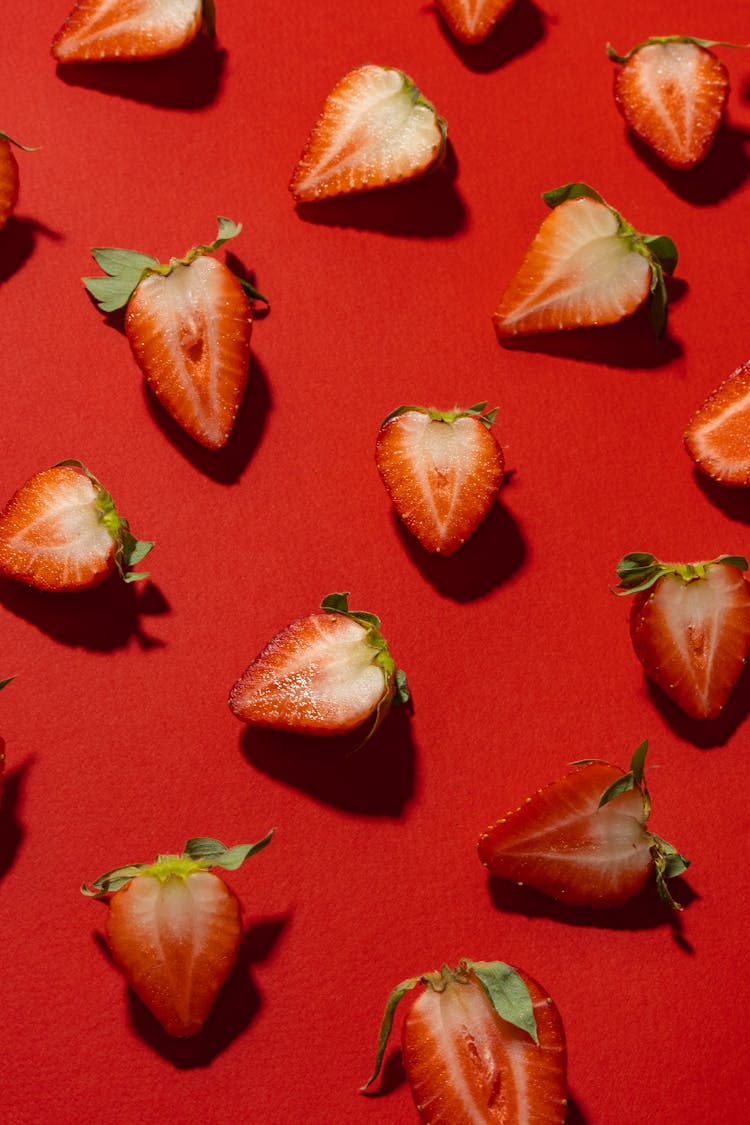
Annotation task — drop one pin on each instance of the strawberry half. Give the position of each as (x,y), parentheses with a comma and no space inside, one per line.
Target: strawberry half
(442,471)
(9,180)
(188,324)
(174,928)
(114,30)
(376,128)
(586,266)
(582,840)
(61,531)
(327,673)
(483,1044)
(471,21)
(672,91)
(718,437)
(690,626)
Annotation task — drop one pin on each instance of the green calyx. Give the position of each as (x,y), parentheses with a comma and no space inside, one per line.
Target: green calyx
(478,411)
(506,991)
(659,250)
(4,683)
(640,570)
(418,98)
(17,144)
(126,269)
(200,854)
(129,551)
(663,40)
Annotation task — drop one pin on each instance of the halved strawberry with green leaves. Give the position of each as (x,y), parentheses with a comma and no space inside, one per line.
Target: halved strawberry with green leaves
(188,324)
(583,839)
(471,21)
(442,471)
(61,531)
(587,266)
(9,179)
(174,928)
(690,626)
(3,683)
(718,437)
(376,128)
(128,30)
(324,674)
(483,1044)
(672,91)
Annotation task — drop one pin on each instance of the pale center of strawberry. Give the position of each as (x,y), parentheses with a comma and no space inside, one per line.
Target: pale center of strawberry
(669,75)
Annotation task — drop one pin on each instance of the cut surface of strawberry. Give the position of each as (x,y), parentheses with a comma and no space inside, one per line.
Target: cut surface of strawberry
(174,928)
(61,531)
(672,91)
(327,673)
(582,840)
(586,267)
(690,626)
(471,21)
(188,324)
(442,471)
(483,1044)
(376,128)
(718,436)
(112,30)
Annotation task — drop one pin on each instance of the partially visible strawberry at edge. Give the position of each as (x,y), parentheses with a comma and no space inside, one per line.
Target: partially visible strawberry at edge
(9,177)
(131,30)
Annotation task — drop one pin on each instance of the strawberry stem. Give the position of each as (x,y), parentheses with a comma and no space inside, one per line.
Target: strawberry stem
(641,570)
(663,40)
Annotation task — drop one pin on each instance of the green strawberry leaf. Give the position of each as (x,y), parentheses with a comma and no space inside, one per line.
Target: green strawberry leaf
(17,144)
(387,1023)
(507,992)
(559,195)
(402,696)
(125,270)
(634,778)
(251,291)
(4,683)
(111,881)
(664,249)
(668,864)
(212,853)
(639,571)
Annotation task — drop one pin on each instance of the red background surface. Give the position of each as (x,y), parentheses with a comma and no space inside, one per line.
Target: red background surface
(119,741)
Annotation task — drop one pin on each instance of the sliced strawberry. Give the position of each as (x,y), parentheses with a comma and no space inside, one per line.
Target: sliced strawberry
(376,128)
(586,266)
(471,21)
(9,180)
(442,471)
(718,437)
(61,531)
(690,626)
(482,1045)
(174,928)
(582,840)
(323,674)
(107,30)
(188,324)
(672,91)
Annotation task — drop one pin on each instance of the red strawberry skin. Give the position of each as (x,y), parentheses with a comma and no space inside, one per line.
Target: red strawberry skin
(718,437)
(176,940)
(471,21)
(8,181)
(51,533)
(112,30)
(442,476)
(465,1064)
(2,766)
(561,843)
(673,95)
(190,333)
(692,638)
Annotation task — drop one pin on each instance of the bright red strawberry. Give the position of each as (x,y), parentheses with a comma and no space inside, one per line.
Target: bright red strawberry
(442,470)
(188,324)
(672,91)
(481,1045)
(582,840)
(323,674)
(471,21)
(690,626)
(107,30)
(718,437)
(8,176)
(586,266)
(376,128)
(174,928)
(61,531)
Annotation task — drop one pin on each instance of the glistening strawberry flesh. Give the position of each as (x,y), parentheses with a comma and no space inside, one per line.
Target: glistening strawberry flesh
(126,30)
(718,436)
(583,840)
(471,21)
(690,626)
(174,928)
(442,471)
(376,128)
(483,1043)
(587,266)
(327,673)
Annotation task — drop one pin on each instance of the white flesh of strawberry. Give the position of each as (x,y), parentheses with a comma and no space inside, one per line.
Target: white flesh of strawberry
(134,16)
(587,266)
(675,66)
(377,125)
(701,437)
(441,448)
